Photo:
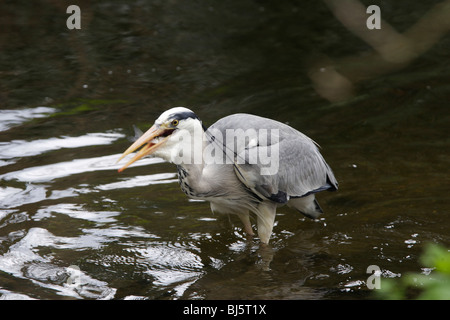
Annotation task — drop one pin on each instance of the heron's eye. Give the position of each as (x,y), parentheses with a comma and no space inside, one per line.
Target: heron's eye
(175,122)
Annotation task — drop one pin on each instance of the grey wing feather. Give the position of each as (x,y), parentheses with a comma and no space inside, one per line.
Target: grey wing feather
(284,164)
(301,170)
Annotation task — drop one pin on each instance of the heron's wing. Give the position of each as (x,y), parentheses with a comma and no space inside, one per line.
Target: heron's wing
(292,167)
(273,160)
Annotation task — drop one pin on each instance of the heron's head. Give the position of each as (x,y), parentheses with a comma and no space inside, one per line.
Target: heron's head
(166,136)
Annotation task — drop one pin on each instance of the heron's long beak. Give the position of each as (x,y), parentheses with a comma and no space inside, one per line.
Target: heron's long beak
(150,146)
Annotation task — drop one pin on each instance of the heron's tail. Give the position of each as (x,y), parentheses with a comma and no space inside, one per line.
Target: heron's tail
(308,206)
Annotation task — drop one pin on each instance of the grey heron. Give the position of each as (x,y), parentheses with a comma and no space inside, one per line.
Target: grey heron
(242,163)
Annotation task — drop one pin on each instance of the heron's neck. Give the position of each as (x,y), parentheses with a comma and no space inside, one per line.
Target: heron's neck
(189,152)
(194,181)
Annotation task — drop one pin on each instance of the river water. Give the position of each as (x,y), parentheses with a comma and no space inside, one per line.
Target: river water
(71,226)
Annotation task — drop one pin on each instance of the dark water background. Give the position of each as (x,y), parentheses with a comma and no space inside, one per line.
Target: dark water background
(72,227)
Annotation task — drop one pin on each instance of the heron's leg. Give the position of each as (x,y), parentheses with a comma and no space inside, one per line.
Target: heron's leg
(245,218)
(265,220)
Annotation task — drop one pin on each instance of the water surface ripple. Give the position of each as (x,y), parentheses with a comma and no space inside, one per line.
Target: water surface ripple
(72,227)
